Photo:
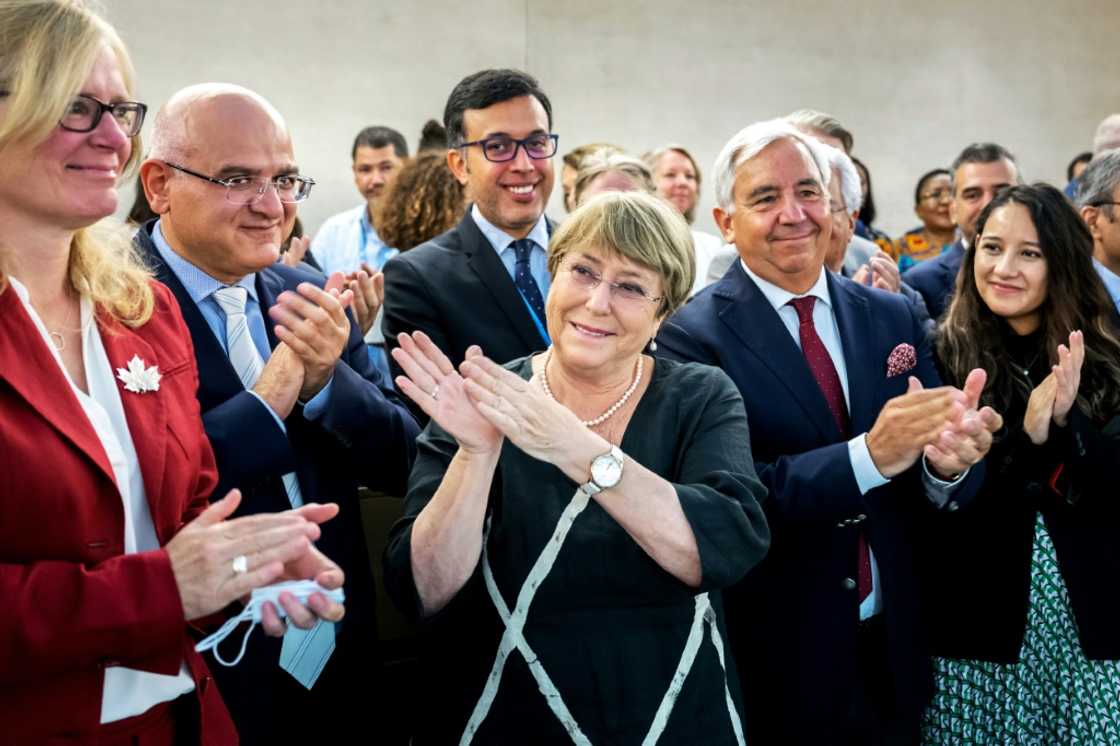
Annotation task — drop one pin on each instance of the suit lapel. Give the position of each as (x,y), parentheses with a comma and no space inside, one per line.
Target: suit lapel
(33,373)
(269,286)
(486,264)
(853,318)
(145,413)
(218,380)
(752,319)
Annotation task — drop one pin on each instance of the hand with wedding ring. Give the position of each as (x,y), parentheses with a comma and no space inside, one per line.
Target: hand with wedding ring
(217,560)
(433,383)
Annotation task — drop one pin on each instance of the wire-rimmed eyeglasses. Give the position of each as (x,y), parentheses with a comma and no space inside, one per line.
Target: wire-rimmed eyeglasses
(245,190)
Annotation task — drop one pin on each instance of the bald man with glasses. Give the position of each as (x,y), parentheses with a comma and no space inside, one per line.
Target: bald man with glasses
(291,403)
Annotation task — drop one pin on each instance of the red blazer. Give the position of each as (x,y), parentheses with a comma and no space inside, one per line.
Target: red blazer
(73,603)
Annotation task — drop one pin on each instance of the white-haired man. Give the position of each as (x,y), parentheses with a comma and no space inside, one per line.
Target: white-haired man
(1098,198)
(880,271)
(843,400)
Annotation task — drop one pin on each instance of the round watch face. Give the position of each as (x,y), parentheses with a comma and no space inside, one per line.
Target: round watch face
(606,471)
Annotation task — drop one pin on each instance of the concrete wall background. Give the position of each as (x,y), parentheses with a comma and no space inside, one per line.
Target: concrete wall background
(914,82)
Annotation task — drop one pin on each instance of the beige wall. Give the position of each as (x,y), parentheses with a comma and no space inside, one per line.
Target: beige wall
(914,82)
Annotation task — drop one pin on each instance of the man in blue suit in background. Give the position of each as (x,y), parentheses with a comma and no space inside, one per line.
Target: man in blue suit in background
(843,402)
(979,173)
(290,400)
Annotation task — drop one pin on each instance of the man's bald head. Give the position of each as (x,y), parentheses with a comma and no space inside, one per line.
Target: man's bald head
(1108,135)
(179,127)
(208,137)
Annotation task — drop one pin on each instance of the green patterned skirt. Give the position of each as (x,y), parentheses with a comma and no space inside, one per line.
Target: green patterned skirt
(1053,695)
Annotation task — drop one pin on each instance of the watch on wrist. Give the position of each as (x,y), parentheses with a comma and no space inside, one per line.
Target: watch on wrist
(606,471)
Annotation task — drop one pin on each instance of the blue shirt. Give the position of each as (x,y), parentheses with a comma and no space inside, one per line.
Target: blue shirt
(503,245)
(348,239)
(201,286)
(1111,282)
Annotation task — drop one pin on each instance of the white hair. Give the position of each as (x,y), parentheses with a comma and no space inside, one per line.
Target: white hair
(752,140)
(850,188)
(1108,135)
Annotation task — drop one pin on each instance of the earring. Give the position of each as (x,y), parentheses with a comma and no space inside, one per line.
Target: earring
(652,345)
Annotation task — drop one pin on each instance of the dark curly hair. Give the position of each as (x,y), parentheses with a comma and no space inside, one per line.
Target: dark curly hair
(425,200)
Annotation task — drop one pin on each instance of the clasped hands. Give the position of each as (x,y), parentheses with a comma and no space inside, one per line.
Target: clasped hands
(944,424)
(276,547)
(482,403)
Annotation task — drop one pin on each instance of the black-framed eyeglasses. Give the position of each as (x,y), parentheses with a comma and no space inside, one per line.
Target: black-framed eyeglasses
(502,148)
(84,114)
(627,292)
(245,190)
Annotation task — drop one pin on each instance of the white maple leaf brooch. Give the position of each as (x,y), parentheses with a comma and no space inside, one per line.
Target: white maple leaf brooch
(138,378)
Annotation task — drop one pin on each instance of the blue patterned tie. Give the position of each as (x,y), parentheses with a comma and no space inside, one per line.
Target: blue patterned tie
(523,278)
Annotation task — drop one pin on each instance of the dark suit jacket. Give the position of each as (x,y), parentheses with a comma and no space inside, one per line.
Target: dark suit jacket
(936,279)
(456,290)
(74,603)
(365,437)
(793,620)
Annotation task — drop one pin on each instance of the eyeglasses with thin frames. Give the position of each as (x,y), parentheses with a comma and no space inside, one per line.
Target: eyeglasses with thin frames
(938,195)
(245,190)
(627,292)
(502,148)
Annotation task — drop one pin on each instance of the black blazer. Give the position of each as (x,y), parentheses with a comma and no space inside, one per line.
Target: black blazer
(977,561)
(365,437)
(456,290)
(936,279)
(793,621)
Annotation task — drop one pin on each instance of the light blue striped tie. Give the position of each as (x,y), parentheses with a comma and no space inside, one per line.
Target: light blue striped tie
(246,360)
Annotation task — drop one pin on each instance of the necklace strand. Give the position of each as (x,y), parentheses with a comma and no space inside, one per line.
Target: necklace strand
(612,409)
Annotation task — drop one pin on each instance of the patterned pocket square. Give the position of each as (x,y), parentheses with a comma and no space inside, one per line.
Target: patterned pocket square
(902,359)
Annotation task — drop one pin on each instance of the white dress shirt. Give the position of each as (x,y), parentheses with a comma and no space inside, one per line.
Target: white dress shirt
(127,692)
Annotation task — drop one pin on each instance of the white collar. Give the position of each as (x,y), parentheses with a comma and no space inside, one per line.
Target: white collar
(779,297)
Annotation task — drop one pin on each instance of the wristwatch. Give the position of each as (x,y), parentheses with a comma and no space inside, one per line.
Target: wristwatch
(606,471)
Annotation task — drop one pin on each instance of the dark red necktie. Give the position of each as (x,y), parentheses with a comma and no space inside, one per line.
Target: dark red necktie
(824,371)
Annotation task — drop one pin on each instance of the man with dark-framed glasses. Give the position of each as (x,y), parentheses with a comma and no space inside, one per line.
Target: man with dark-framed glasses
(291,403)
(485,281)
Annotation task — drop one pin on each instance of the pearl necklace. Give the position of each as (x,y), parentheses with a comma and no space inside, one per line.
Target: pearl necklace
(612,409)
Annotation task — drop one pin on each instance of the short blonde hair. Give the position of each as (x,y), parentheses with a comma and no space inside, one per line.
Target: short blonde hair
(47,49)
(600,163)
(641,227)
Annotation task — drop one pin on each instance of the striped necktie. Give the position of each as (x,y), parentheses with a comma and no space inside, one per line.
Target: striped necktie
(246,360)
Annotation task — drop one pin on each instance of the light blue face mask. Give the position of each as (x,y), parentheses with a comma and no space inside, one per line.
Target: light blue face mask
(301,589)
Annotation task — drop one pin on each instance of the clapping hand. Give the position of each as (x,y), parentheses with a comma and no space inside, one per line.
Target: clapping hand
(969,437)
(269,547)
(368,287)
(297,249)
(1054,397)
(535,423)
(437,388)
(313,322)
(884,272)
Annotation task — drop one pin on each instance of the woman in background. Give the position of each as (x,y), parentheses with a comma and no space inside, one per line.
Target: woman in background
(932,197)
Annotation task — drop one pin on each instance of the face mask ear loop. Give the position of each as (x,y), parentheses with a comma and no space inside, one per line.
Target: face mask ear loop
(211,643)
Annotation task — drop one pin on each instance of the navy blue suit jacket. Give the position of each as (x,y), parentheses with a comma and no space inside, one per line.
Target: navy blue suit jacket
(793,620)
(364,438)
(936,279)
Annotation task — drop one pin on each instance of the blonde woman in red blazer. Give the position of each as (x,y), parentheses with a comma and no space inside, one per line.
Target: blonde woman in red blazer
(108,547)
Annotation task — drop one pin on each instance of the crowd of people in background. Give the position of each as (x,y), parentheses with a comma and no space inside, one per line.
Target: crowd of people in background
(795,483)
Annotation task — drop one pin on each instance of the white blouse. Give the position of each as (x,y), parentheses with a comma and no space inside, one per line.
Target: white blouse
(127,692)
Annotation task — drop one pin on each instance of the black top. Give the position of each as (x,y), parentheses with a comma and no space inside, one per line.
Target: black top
(608,624)
(977,560)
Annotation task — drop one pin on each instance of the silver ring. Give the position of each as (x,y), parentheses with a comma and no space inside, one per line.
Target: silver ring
(240,564)
(435,392)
